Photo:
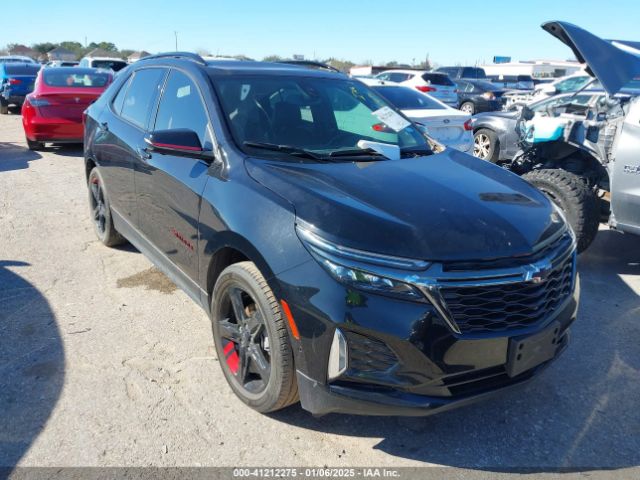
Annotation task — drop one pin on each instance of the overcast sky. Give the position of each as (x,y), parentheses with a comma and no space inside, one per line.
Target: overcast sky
(449,32)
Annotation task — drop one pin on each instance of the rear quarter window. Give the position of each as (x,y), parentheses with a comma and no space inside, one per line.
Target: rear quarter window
(118,101)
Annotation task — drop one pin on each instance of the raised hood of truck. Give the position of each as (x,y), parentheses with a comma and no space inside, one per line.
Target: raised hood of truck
(613,66)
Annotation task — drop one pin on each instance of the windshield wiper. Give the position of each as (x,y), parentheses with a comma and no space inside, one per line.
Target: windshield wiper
(356,152)
(416,151)
(291,150)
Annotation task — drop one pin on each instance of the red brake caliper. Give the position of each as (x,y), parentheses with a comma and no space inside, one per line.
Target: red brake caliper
(231,356)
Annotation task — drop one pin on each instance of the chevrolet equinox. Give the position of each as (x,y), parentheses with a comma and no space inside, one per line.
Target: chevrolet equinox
(346,260)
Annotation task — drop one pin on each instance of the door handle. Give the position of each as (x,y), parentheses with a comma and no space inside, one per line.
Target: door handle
(144,154)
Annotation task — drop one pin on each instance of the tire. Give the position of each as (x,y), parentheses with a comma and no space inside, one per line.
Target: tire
(101,211)
(4,108)
(486,145)
(263,325)
(34,145)
(574,197)
(468,107)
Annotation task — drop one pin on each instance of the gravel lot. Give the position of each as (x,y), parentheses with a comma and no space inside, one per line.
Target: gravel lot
(104,363)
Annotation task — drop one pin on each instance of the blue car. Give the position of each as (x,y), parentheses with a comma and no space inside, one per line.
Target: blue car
(16,82)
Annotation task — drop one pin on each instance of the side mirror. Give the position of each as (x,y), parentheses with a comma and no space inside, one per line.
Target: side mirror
(180,141)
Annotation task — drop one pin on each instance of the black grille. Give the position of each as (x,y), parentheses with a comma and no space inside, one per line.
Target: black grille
(512,306)
(368,354)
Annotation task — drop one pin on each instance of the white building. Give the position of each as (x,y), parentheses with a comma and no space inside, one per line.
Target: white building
(534,68)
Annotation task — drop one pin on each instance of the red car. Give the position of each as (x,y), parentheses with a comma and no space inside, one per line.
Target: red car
(53,111)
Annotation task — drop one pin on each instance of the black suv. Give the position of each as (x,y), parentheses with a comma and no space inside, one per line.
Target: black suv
(345,259)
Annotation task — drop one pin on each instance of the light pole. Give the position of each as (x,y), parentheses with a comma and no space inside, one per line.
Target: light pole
(176,35)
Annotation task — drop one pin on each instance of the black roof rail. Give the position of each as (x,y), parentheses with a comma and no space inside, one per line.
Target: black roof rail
(190,55)
(310,64)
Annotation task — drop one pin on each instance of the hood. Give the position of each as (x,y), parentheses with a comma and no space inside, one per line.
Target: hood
(447,206)
(612,66)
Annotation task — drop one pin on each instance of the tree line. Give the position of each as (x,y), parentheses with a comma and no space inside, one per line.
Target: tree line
(77,48)
(81,50)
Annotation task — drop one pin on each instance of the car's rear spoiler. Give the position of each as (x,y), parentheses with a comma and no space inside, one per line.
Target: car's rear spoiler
(613,62)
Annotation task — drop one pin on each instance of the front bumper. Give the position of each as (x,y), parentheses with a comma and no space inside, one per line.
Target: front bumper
(321,399)
(456,390)
(404,358)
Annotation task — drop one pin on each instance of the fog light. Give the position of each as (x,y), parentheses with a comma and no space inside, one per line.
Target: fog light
(337,356)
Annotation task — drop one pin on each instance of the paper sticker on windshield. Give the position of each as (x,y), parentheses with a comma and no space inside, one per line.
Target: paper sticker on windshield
(184,91)
(391,119)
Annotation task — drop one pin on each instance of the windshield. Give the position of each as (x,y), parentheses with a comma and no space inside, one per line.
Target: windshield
(321,115)
(114,65)
(580,100)
(74,77)
(407,99)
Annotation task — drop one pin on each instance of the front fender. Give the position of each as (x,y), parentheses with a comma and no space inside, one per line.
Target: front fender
(265,235)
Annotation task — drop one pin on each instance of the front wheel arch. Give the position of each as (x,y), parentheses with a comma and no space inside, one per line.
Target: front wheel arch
(227,249)
(574,197)
(494,152)
(89,164)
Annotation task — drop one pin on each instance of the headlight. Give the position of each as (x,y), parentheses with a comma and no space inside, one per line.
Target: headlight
(363,270)
(489,95)
(361,280)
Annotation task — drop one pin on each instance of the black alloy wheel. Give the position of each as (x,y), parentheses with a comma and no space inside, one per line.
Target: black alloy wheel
(252,339)
(101,212)
(245,341)
(98,207)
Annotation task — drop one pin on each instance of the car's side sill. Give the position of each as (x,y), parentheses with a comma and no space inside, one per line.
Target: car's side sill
(159,259)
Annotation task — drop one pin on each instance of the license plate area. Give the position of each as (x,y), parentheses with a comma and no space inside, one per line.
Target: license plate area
(529,352)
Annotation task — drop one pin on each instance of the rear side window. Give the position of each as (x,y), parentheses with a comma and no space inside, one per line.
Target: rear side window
(399,77)
(181,107)
(20,69)
(438,79)
(140,95)
(472,72)
(119,100)
(464,87)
